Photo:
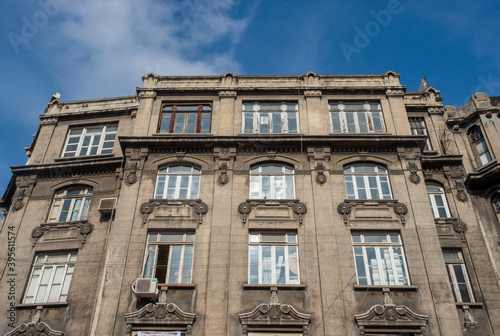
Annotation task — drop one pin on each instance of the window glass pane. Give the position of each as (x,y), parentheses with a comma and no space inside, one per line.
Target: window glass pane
(165,122)
(254,265)
(276,122)
(292,123)
(264,123)
(205,123)
(280,264)
(293,265)
(336,127)
(266,265)
(248,126)
(363,122)
(191,123)
(179,122)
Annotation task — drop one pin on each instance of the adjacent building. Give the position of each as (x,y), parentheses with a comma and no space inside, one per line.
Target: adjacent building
(325,205)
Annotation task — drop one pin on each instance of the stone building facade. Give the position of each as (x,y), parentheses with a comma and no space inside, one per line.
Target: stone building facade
(325,205)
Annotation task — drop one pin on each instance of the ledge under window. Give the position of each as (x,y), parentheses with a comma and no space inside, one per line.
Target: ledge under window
(469,304)
(84,157)
(163,286)
(384,287)
(269,286)
(182,134)
(42,304)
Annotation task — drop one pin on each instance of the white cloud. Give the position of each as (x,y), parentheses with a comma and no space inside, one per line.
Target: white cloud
(104,47)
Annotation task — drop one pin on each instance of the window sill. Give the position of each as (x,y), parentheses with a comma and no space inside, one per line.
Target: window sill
(83,157)
(42,304)
(182,134)
(386,288)
(270,286)
(163,286)
(466,305)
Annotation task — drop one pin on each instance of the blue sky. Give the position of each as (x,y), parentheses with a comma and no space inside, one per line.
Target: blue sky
(88,49)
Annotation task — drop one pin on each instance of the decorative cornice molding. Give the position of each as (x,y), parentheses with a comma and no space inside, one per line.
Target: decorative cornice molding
(200,208)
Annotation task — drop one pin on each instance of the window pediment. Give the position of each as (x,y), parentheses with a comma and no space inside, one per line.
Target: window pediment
(275,315)
(391,317)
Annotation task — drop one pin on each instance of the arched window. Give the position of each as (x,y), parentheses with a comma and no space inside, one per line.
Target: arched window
(178,182)
(367,181)
(272,181)
(71,204)
(437,199)
(480,145)
(496,203)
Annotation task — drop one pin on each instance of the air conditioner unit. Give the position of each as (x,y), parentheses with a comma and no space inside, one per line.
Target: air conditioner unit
(145,288)
(107,205)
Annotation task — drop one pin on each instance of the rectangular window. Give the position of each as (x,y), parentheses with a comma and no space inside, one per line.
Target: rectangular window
(90,140)
(270,118)
(457,274)
(356,117)
(379,259)
(417,126)
(50,277)
(169,257)
(185,118)
(481,147)
(273,258)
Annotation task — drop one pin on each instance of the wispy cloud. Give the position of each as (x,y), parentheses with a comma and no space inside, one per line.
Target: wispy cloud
(104,47)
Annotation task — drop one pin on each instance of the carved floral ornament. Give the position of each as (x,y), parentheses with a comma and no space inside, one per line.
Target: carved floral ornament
(345,209)
(275,315)
(199,208)
(389,316)
(299,208)
(223,178)
(84,229)
(34,328)
(321,178)
(160,315)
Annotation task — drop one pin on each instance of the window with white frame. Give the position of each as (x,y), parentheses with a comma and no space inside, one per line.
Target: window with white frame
(457,274)
(50,277)
(273,258)
(269,117)
(90,140)
(480,144)
(356,117)
(272,181)
(178,182)
(379,259)
(367,181)
(418,127)
(437,200)
(169,257)
(71,204)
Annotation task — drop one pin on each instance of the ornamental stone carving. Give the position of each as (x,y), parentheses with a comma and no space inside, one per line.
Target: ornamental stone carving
(277,315)
(160,313)
(414,178)
(300,209)
(85,230)
(244,209)
(459,226)
(389,316)
(462,196)
(345,209)
(37,233)
(400,209)
(200,209)
(34,328)
(146,209)
(223,178)
(321,178)
(132,175)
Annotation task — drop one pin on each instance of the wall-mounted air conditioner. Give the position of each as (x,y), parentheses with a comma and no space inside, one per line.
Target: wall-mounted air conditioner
(145,288)
(107,205)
